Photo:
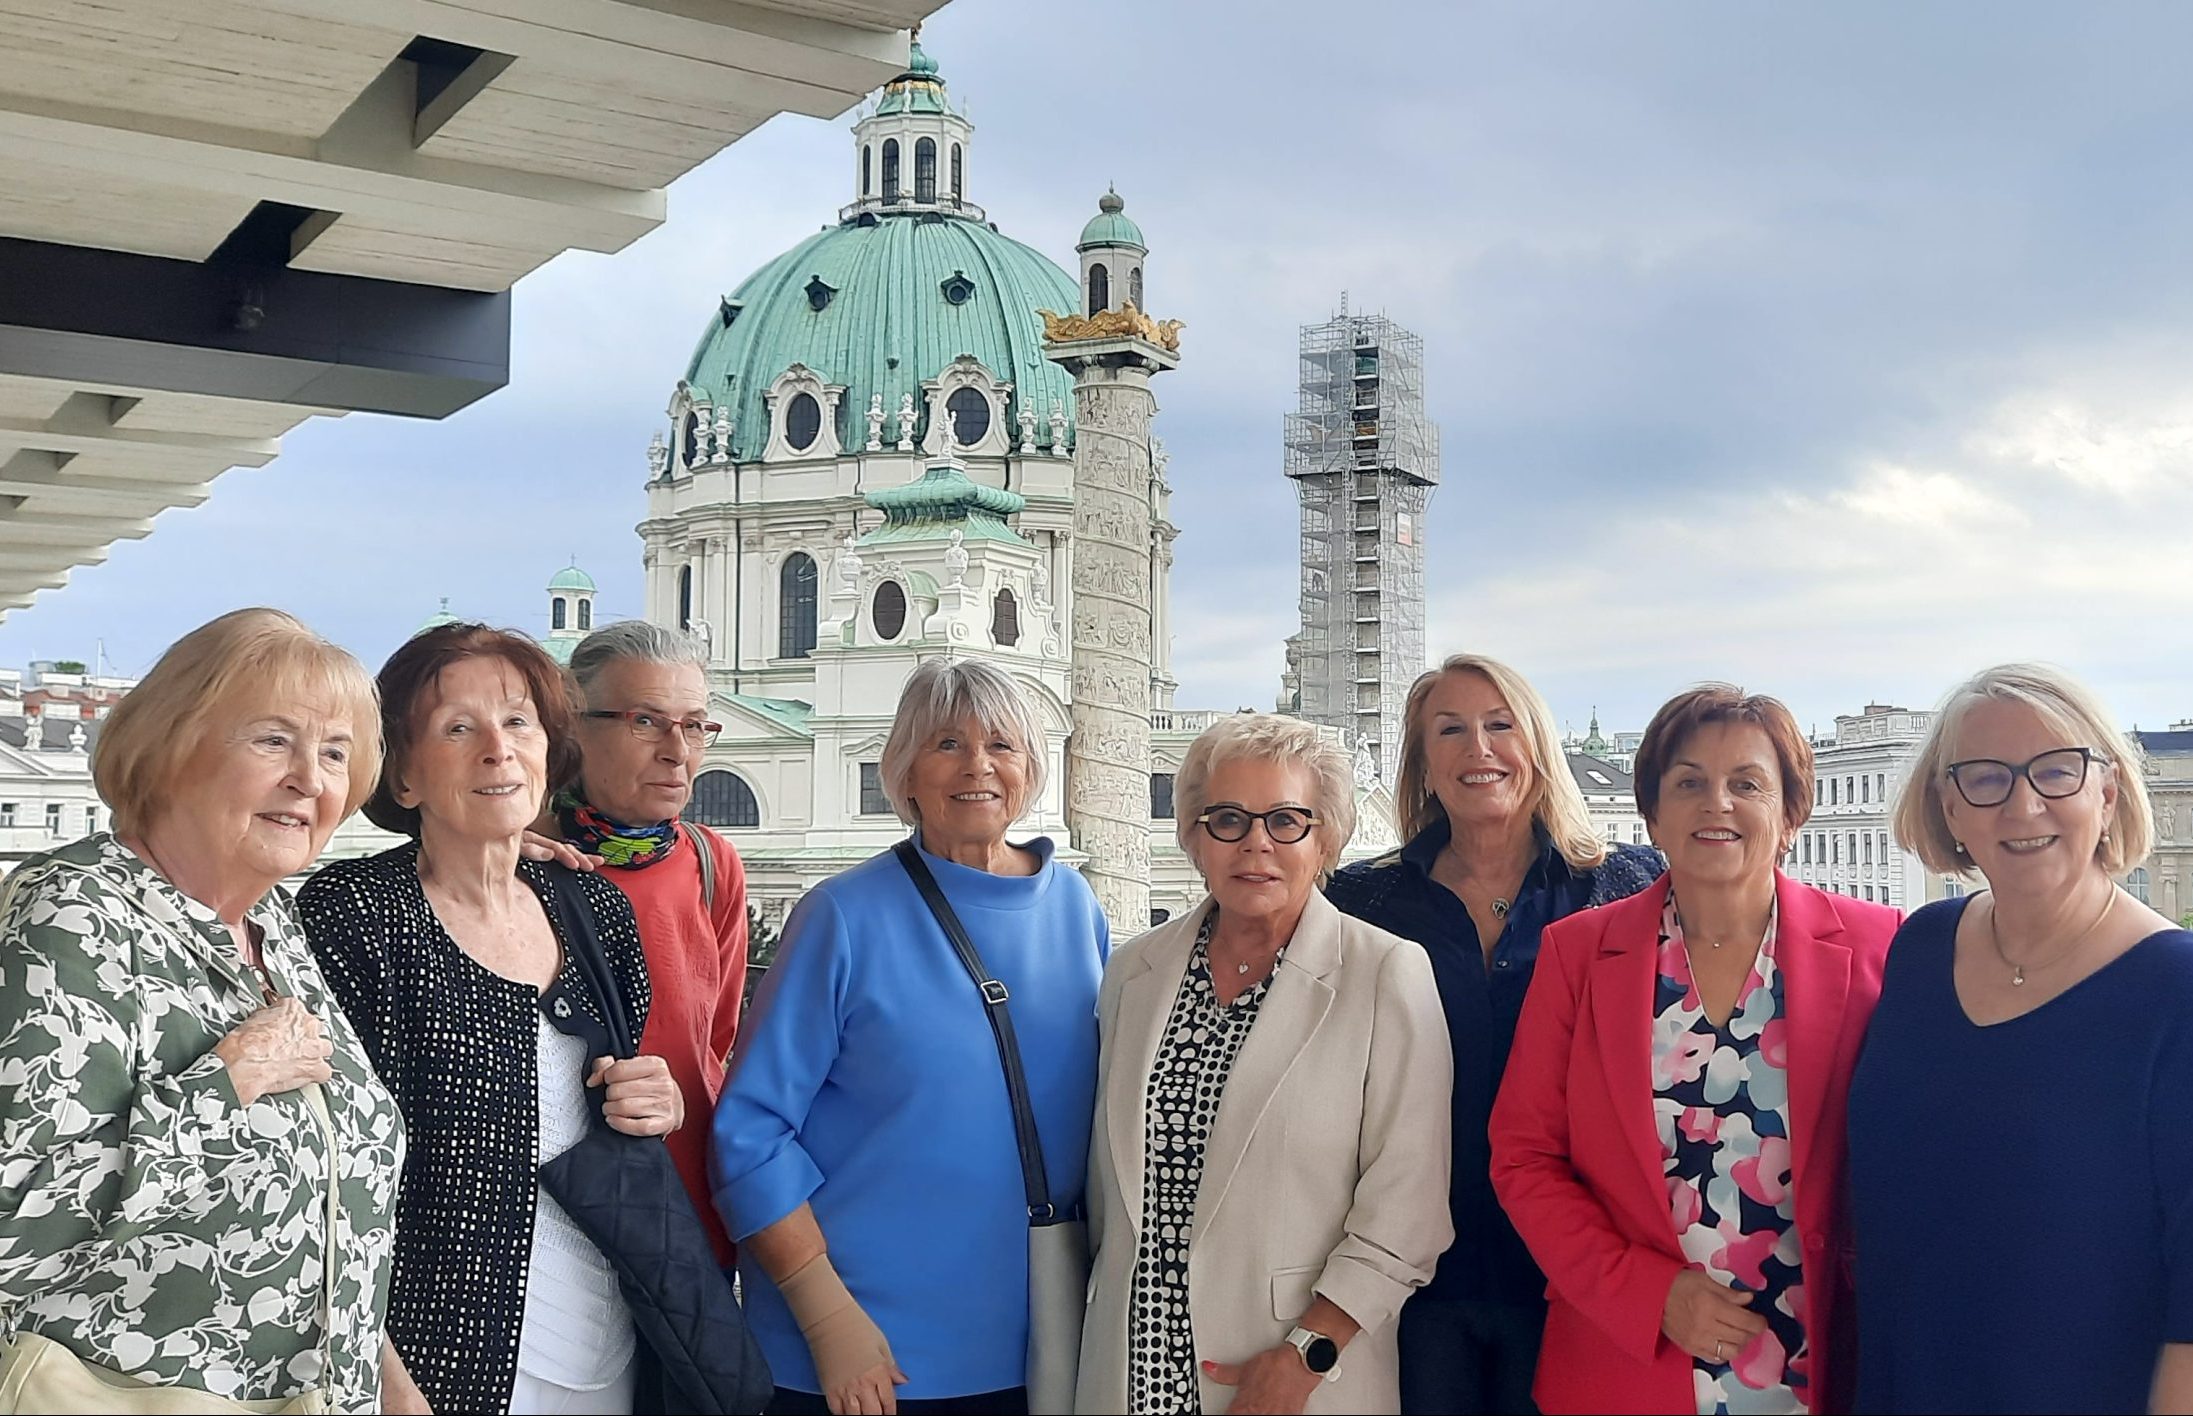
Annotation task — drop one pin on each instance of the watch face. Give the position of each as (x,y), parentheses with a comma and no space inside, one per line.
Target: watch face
(1321,1356)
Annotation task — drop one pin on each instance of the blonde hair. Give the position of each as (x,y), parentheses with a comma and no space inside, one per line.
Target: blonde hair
(1267,737)
(940,693)
(1556,803)
(245,660)
(2067,707)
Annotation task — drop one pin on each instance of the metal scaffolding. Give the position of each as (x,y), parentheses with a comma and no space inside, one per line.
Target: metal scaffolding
(1364,459)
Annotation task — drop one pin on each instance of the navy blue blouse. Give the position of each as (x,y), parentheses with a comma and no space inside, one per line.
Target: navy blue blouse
(2023,1193)
(1396,892)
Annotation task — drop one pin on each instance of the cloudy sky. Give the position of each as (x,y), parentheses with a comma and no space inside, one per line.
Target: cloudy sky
(1835,350)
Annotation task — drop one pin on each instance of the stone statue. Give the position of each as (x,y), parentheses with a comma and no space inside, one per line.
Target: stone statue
(705,632)
(955,559)
(2168,815)
(1027,428)
(875,422)
(1058,429)
(906,423)
(849,568)
(694,451)
(1039,581)
(1160,459)
(723,435)
(658,456)
(1366,767)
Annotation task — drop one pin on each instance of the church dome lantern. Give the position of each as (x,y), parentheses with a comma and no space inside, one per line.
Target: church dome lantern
(1112,252)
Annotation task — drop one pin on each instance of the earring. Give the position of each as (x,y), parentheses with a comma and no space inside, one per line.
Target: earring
(1960,847)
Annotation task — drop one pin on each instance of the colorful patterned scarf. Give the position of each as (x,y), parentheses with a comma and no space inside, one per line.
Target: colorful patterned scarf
(627,847)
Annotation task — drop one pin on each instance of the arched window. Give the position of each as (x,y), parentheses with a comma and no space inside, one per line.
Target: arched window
(1005,619)
(696,439)
(1134,286)
(802,421)
(1100,289)
(867,164)
(685,597)
(925,170)
(970,413)
(890,169)
(586,614)
(959,175)
(796,606)
(889,610)
(2136,883)
(557,608)
(723,799)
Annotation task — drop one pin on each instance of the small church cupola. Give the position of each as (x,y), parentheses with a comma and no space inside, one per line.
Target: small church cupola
(570,611)
(912,148)
(1112,251)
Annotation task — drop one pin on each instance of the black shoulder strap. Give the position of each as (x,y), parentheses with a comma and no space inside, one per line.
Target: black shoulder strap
(994,999)
(698,835)
(574,921)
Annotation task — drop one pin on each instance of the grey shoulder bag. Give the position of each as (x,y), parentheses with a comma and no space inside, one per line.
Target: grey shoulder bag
(1058,1235)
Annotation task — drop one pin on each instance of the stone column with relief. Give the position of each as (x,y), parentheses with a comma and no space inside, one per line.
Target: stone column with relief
(1112,356)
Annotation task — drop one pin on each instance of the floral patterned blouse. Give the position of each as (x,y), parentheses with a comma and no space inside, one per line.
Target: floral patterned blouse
(1721,1101)
(148,1221)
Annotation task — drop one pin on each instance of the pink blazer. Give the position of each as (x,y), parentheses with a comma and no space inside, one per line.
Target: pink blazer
(1576,1158)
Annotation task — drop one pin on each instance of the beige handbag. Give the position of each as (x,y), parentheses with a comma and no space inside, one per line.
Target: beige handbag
(38,1374)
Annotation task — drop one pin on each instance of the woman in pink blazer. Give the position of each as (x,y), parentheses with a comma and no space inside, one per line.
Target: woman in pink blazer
(1669,1137)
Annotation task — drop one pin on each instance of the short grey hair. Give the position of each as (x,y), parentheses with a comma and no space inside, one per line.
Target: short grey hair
(633,639)
(1268,737)
(941,692)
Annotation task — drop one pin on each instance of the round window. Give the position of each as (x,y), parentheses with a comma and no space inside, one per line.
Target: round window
(803,421)
(889,610)
(970,416)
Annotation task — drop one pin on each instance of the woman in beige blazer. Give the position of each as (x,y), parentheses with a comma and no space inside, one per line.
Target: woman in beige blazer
(1268,1177)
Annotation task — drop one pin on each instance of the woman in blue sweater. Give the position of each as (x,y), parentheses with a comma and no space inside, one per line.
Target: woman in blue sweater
(864,1153)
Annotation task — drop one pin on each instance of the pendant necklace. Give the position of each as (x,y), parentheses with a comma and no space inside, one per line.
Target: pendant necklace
(2017,970)
(1499,907)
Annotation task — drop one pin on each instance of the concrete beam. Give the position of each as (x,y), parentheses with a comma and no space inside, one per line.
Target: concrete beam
(265,333)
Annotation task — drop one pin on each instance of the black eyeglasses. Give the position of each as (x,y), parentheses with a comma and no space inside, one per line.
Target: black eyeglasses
(1284,824)
(654,727)
(1984,781)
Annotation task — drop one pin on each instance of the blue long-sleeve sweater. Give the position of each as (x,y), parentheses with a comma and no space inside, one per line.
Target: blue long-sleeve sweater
(866,1083)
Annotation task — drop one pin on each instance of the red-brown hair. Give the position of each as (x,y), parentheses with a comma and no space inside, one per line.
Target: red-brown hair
(1681,716)
(412,672)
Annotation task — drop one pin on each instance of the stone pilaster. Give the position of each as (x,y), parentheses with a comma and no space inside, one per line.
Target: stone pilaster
(1112,650)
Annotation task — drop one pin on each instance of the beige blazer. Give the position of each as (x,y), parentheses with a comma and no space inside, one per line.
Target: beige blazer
(1326,1169)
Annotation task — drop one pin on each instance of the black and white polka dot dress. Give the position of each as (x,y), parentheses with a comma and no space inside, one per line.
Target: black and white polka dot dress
(458,1046)
(1187,1081)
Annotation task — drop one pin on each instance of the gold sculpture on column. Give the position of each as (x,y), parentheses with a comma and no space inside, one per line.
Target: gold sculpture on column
(1126,322)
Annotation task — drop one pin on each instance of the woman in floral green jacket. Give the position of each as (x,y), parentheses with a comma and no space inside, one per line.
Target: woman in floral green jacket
(174,1077)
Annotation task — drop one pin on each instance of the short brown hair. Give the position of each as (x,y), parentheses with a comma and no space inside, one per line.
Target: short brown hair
(1686,713)
(256,656)
(417,667)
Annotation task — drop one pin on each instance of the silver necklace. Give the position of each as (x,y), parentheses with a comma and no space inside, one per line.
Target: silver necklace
(2017,970)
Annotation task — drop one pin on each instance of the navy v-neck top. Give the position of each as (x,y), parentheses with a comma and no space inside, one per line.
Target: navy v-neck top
(2023,1193)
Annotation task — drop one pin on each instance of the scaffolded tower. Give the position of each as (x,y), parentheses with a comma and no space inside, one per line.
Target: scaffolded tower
(1364,459)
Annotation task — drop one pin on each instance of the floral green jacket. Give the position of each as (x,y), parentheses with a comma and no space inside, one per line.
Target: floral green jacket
(148,1221)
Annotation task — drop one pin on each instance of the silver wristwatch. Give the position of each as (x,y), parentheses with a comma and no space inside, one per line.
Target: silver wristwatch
(1319,1353)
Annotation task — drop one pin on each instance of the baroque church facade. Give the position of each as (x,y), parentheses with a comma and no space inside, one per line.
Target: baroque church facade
(869,462)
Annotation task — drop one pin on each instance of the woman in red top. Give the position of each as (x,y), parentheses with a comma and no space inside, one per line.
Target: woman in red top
(643,727)
(1669,1137)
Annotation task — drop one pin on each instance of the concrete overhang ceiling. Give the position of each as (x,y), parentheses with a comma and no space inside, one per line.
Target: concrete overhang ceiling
(219,218)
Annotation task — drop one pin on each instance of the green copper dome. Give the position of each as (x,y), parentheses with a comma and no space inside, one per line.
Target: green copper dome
(900,296)
(572,578)
(1110,226)
(918,90)
(942,499)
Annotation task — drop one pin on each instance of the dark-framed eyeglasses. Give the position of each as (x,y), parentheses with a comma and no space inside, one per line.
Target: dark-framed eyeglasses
(650,726)
(1284,824)
(2055,774)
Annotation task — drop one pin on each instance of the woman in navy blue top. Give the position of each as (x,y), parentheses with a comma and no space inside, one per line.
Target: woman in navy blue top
(864,1152)
(2021,1121)
(1500,845)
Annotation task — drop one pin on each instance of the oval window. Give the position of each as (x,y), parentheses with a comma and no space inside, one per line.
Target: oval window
(802,421)
(970,416)
(889,610)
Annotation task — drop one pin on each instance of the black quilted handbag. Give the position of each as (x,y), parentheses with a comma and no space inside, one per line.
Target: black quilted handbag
(624,1191)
